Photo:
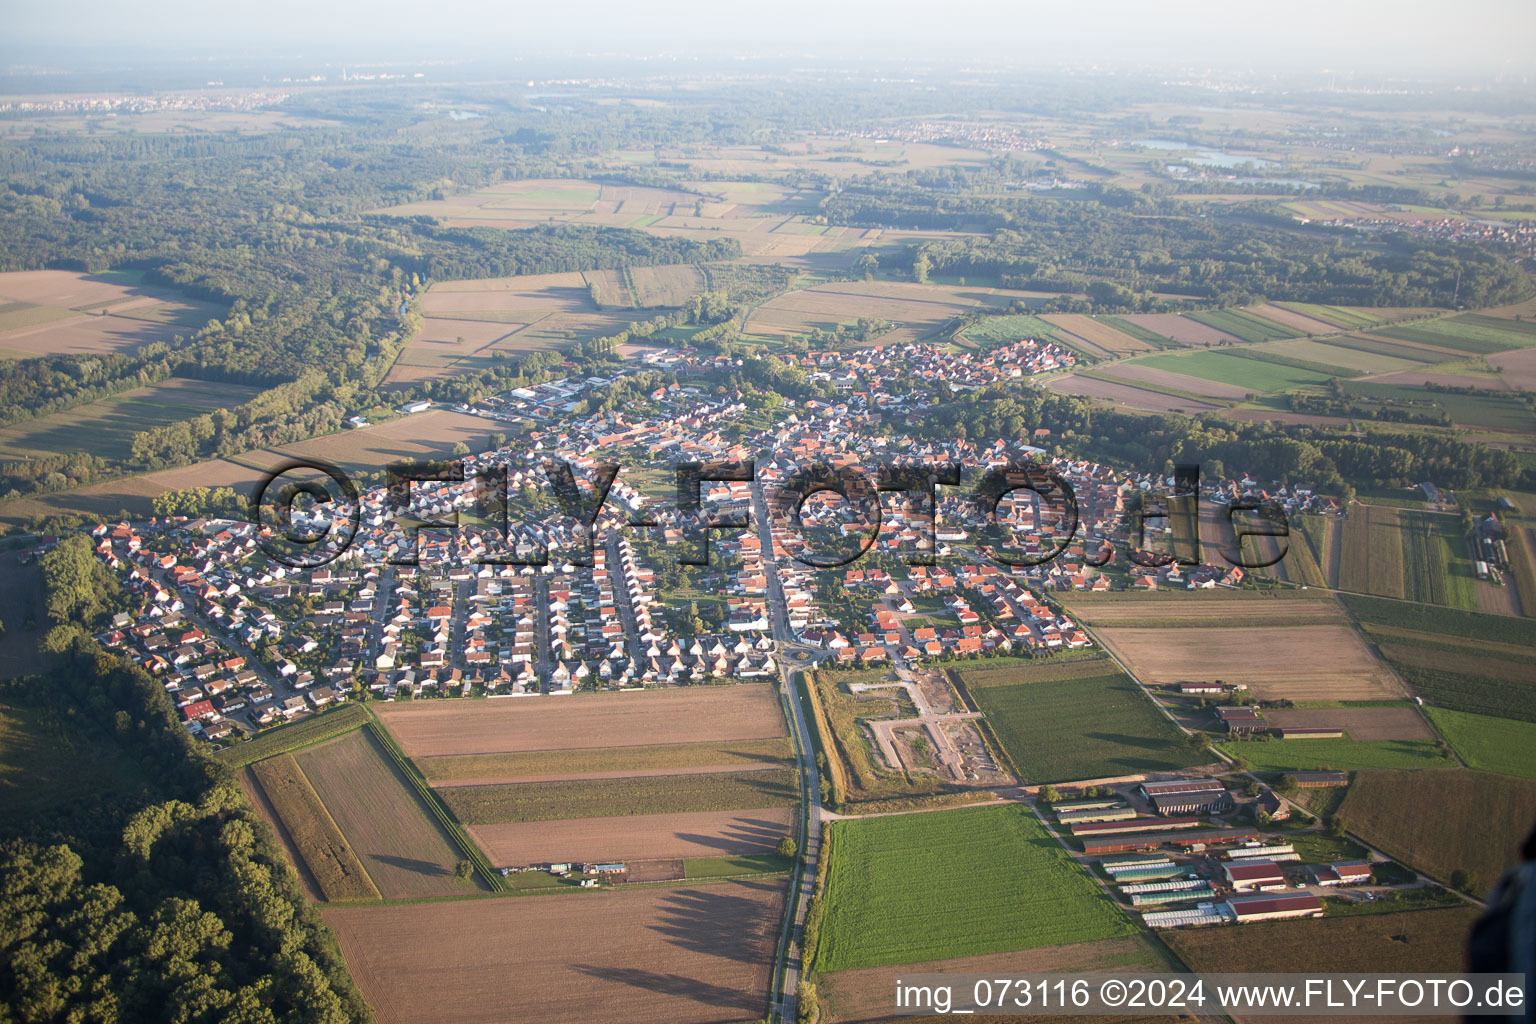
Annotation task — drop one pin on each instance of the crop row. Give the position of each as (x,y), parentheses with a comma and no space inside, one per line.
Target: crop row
(285,739)
(607,759)
(319,842)
(604,798)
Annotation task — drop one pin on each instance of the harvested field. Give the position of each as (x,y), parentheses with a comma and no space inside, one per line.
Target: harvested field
(1296,662)
(1424,819)
(311,831)
(691,955)
(612,762)
(1279,416)
(864,994)
(918,310)
(1096,332)
(1216,609)
(1371,551)
(1125,394)
(743,712)
(593,798)
(617,773)
(635,837)
(1290,318)
(1362,724)
(60,312)
(1519,368)
(401,846)
(1181,329)
(1167,378)
(666,286)
(1418,941)
(1325,354)
(425,435)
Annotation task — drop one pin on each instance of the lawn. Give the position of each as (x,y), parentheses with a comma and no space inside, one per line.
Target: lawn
(1229,368)
(918,887)
(1083,728)
(1344,755)
(602,798)
(1428,820)
(1489,744)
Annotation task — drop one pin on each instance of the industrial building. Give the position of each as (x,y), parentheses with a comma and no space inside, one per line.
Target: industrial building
(1274,907)
(1255,873)
(1344,872)
(1187,796)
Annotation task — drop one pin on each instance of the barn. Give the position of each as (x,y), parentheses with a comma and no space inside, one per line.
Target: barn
(1187,796)
(1344,872)
(1241,720)
(1269,907)
(1254,873)
(1112,828)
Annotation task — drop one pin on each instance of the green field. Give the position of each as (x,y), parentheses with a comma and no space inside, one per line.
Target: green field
(1230,368)
(106,427)
(918,887)
(1489,744)
(1436,567)
(1005,330)
(1341,316)
(1488,409)
(602,798)
(45,769)
(1411,354)
(1427,819)
(605,759)
(1502,628)
(1344,755)
(1245,325)
(287,738)
(1342,356)
(1476,334)
(1081,728)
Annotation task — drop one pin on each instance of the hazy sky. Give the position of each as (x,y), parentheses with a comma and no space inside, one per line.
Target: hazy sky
(1405,35)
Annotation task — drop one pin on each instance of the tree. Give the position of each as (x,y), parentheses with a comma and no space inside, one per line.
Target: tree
(1337,826)
(1199,741)
(786,847)
(460,448)
(1461,880)
(1049,795)
(463,870)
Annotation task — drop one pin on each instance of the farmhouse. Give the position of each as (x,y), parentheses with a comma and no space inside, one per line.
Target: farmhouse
(1186,796)
(1274,908)
(1241,720)
(1253,873)
(1344,872)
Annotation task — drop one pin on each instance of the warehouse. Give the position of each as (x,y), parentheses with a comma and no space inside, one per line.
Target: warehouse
(1278,852)
(1254,873)
(1073,806)
(1241,720)
(1096,814)
(1114,828)
(1274,908)
(1187,796)
(1344,872)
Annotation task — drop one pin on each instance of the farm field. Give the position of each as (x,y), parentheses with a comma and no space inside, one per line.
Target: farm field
(993,880)
(1361,723)
(1003,330)
(1207,608)
(1252,375)
(310,830)
(1343,755)
(1296,321)
(1089,727)
(635,837)
(1137,374)
(1424,819)
(1490,744)
(1422,941)
(1182,329)
(1487,409)
(44,770)
(61,312)
(400,845)
(543,765)
(1469,333)
(746,711)
(1519,368)
(1339,316)
(1371,551)
(106,427)
(864,994)
(1245,324)
(688,955)
(1319,662)
(917,310)
(1126,394)
(1330,354)
(1097,331)
(600,798)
